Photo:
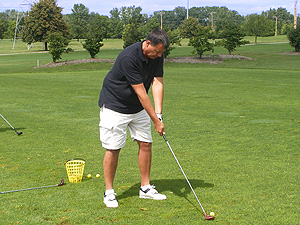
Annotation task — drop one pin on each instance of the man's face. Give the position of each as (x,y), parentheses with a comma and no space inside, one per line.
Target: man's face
(153,52)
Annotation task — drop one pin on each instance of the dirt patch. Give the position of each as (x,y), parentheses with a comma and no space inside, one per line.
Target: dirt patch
(205,59)
(79,61)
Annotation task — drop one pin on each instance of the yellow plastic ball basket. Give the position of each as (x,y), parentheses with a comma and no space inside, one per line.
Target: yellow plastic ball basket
(75,168)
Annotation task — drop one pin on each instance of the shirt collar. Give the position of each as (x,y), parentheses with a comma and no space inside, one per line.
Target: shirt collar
(140,52)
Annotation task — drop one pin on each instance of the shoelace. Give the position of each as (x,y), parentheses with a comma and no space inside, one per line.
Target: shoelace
(113,198)
(152,187)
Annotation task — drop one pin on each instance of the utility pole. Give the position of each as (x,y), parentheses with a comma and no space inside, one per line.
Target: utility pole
(295,16)
(276,30)
(187,10)
(212,25)
(161,19)
(212,20)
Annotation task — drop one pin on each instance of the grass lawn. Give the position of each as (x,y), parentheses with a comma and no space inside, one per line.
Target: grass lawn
(234,128)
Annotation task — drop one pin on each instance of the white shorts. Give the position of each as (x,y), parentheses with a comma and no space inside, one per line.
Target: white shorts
(113,128)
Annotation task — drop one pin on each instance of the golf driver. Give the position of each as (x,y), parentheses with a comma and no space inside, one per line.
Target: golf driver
(19,133)
(60,184)
(207,217)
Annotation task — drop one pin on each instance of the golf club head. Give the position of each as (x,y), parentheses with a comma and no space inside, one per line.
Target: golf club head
(61,183)
(19,133)
(208,217)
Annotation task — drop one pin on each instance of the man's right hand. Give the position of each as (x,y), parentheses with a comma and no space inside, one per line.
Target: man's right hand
(159,127)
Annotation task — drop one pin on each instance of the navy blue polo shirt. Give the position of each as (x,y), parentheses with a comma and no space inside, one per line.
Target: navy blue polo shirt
(129,68)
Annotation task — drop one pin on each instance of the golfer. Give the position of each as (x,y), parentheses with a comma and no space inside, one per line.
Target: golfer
(124,103)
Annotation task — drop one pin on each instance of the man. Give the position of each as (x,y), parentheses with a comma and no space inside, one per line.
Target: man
(124,102)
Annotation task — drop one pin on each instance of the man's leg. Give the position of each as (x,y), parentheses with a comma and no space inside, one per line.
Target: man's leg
(147,191)
(110,163)
(145,162)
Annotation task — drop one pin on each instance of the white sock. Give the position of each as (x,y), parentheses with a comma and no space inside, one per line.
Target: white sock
(109,191)
(145,187)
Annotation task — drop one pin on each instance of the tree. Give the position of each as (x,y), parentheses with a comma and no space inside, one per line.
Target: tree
(79,20)
(101,26)
(92,45)
(57,45)
(284,19)
(10,32)
(258,26)
(132,19)
(94,37)
(174,38)
(116,23)
(44,18)
(294,38)
(231,36)
(149,25)
(200,41)
(131,34)
(3,27)
(131,14)
(189,28)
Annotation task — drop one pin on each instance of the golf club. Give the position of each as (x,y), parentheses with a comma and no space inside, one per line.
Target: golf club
(207,217)
(60,184)
(19,133)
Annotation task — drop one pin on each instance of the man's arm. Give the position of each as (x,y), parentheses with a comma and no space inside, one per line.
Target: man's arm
(158,94)
(146,103)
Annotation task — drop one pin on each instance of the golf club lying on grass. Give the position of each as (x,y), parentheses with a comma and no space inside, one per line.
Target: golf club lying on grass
(19,133)
(60,184)
(207,217)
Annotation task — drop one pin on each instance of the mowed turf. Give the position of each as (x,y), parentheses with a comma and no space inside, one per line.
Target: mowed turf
(234,129)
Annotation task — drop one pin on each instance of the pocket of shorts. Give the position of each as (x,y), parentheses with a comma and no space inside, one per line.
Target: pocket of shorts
(106,125)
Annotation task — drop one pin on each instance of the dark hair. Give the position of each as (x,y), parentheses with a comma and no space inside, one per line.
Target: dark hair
(157,36)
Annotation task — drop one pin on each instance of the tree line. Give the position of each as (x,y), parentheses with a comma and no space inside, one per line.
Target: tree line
(204,24)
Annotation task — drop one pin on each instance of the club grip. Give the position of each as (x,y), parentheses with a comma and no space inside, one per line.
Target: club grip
(164,136)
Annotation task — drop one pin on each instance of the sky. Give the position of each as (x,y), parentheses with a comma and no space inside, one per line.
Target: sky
(103,7)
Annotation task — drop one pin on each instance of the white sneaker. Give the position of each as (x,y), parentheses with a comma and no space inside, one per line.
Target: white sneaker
(151,193)
(110,200)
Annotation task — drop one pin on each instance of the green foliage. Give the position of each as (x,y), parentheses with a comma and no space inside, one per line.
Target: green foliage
(92,45)
(189,28)
(198,35)
(100,26)
(174,38)
(232,36)
(258,25)
(132,19)
(79,21)
(116,23)
(150,24)
(284,19)
(131,34)
(44,18)
(10,32)
(3,27)
(57,45)
(294,38)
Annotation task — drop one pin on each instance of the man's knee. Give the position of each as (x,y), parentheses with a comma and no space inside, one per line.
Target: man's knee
(145,145)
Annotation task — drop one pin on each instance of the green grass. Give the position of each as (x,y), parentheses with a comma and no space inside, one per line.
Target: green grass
(233,126)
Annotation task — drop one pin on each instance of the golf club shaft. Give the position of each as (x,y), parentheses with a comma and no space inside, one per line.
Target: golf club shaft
(9,124)
(164,136)
(26,189)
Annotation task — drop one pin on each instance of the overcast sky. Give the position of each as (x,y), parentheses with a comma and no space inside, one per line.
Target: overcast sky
(103,7)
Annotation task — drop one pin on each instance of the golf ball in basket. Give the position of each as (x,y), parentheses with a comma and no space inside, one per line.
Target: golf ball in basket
(212,214)
(89,176)
(98,175)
